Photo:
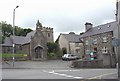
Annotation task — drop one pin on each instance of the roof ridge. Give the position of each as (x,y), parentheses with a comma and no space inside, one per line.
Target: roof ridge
(105,24)
(68,34)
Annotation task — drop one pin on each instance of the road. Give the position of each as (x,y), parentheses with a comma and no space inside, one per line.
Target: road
(54,69)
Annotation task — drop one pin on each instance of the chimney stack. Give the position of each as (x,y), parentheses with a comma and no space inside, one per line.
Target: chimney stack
(88,26)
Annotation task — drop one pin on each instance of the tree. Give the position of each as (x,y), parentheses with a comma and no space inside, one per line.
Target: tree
(52,47)
(7,30)
(54,50)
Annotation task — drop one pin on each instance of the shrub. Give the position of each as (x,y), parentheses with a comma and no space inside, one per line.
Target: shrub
(11,55)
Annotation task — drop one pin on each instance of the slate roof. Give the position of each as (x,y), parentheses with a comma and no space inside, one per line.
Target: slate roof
(28,36)
(8,42)
(71,37)
(18,39)
(100,29)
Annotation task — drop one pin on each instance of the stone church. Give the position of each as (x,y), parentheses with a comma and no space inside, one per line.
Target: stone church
(34,44)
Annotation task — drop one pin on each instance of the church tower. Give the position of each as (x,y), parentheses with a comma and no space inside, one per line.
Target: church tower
(39,44)
(38,25)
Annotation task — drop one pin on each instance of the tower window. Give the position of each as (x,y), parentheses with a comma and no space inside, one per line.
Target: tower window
(48,34)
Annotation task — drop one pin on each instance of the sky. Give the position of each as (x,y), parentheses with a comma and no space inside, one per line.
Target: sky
(63,16)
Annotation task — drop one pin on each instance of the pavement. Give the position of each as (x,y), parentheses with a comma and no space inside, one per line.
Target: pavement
(35,64)
(51,64)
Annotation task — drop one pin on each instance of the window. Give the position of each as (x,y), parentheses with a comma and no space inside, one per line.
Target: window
(86,42)
(76,44)
(87,51)
(104,50)
(77,51)
(95,41)
(48,34)
(104,39)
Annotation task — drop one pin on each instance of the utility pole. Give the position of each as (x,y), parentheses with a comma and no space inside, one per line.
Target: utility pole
(14,33)
(118,23)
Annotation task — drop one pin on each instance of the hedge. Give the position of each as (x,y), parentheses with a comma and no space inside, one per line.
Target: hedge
(11,55)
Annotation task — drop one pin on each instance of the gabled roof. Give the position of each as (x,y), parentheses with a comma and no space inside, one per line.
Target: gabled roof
(100,29)
(8,42)
(70,37)
(18,39)
(28,36)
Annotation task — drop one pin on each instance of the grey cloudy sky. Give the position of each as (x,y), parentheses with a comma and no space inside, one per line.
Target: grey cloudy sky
(62,15)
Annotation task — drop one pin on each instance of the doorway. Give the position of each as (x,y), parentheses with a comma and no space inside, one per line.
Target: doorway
(38,52)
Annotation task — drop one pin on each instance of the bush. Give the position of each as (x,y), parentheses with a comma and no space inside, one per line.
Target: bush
(11,55)
(51,54)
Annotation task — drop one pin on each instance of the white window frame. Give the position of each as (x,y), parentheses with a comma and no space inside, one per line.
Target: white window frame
(105,50)
(87,51)
(95,41)
(86,42)
(104,39)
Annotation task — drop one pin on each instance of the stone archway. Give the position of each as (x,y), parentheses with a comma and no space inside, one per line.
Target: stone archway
(38,52)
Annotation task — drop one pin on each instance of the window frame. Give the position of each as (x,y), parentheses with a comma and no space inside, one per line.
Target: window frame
(95,41)
(86,42)
(104,50)
(104,39)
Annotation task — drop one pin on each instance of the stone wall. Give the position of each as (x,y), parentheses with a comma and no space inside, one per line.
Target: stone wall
(7,49)
(98,47)
(39,41)
(64,43)
(48,33)
(87,64)
(77,48)
(26,50)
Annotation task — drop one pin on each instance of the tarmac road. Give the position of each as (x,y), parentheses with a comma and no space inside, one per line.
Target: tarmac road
(53,69)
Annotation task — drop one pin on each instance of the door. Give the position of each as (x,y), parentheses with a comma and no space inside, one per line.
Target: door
(38,52)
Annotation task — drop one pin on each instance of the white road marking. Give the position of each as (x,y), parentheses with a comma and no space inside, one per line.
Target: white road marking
(66,70)
(100,76)
(64,75)
(56,72)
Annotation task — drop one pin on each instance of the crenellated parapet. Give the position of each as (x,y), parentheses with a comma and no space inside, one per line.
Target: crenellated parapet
(47,29)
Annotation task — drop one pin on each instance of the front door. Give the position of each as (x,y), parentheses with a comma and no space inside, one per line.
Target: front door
(38,52)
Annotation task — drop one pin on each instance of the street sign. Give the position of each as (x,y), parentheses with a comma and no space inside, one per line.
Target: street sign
(91,58)
(116,42)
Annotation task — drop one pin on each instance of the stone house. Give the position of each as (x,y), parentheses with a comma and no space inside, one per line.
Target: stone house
(99,40)
(34,44)
(70,44)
